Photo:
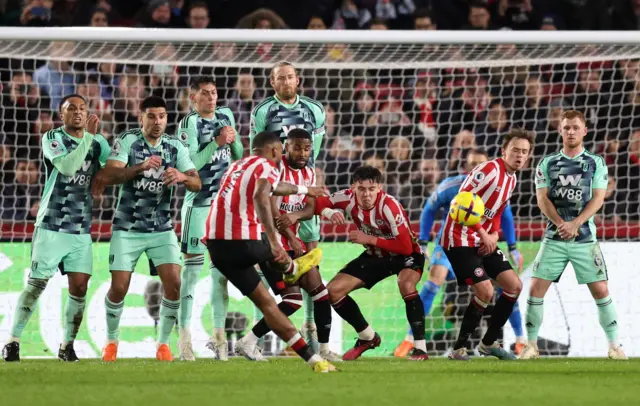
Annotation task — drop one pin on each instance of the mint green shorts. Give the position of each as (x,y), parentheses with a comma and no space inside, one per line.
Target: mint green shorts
(49,249)
(586,258)
(194,221)
(126,248)
(309,230)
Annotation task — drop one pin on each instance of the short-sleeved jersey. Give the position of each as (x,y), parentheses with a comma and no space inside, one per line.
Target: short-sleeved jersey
(197,132)
(494,185)
(387,219)
(570,183)
(233,215)
(66,201)
(292,203)
(144,204)
(441,199)
(274,116)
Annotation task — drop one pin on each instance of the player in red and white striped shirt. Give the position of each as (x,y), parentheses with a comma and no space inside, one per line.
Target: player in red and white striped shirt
(391,249)
(239,214)
(473,252)
(294,170)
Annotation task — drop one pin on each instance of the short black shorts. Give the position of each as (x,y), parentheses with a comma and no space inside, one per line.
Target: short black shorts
(471,268)
(273,276)
(371,270)
(236,260)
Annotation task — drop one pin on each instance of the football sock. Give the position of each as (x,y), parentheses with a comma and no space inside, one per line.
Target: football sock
(188,279)
(415,316)
(301,348)
(168,315)
(427,295)
(219,298)
(516,320)
(533,318)
(321,312)
(501,312)
(26,305)
(73,312)
(608,319)
(348,309)
(291,302)
(114,312)
(308,307)
(470,321)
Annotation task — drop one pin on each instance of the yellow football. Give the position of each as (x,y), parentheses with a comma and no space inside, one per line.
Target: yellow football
(467,208)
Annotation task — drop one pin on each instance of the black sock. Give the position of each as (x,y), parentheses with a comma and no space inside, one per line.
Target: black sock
(415,314)
(301,347)
(470,321)
(322,312)
(289,305)
(348,309)
(501,312)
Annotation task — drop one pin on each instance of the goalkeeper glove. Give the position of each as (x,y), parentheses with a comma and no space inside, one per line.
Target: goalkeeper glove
(424,246)
(516,258)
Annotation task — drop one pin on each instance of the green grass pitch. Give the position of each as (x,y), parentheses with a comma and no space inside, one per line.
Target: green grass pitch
(281,382)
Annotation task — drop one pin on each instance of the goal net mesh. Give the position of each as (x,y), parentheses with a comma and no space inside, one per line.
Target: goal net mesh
(412,110)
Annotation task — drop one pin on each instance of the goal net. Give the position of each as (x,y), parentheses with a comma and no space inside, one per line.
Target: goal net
(411,104)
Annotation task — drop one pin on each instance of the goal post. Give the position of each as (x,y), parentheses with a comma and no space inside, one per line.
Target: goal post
(412,103)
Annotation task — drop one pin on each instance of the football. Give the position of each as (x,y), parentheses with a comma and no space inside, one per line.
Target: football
(467,208)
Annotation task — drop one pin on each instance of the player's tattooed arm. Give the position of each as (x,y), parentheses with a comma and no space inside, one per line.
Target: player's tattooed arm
(190,178)
(117,172)
(286,220)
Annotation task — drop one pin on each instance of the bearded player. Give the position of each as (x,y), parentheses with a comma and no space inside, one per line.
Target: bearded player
(570,187)
(210,135)
(73,153)
(281,113)
(473,253)
(440,266)
(391,249)
(240,234)
(288,210)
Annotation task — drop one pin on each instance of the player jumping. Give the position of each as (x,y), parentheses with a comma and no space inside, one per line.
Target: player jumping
(288,210)
(281,113)
(210,135)
(473,253)
(73,154)
(440,266)
(392,249)
(147,163)
(234,236)
(570,187)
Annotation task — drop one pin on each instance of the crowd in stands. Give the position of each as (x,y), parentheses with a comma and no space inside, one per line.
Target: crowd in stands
(415,125)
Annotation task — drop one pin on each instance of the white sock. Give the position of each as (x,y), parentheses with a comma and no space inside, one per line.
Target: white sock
(367,334)
(324,347)
(409,338)
(614,344)
(14,340)
(315,358)
(520,339)
(533,343)
(219,334)
(420,344)
(251,338)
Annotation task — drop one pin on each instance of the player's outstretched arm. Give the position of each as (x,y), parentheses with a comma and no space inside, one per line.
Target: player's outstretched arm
(288,219)
(285,189)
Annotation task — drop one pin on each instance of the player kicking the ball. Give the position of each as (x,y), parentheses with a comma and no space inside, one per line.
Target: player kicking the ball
(210,135)
(440,266)
(236,242)
(147,163)
(473,253)
(392,249)
(73,154)
(288,211)
(571,186)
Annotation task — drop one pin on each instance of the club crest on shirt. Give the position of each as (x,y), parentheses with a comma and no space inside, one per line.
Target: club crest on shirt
(478,272)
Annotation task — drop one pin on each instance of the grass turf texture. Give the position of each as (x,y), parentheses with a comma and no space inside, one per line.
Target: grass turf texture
(372,381)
